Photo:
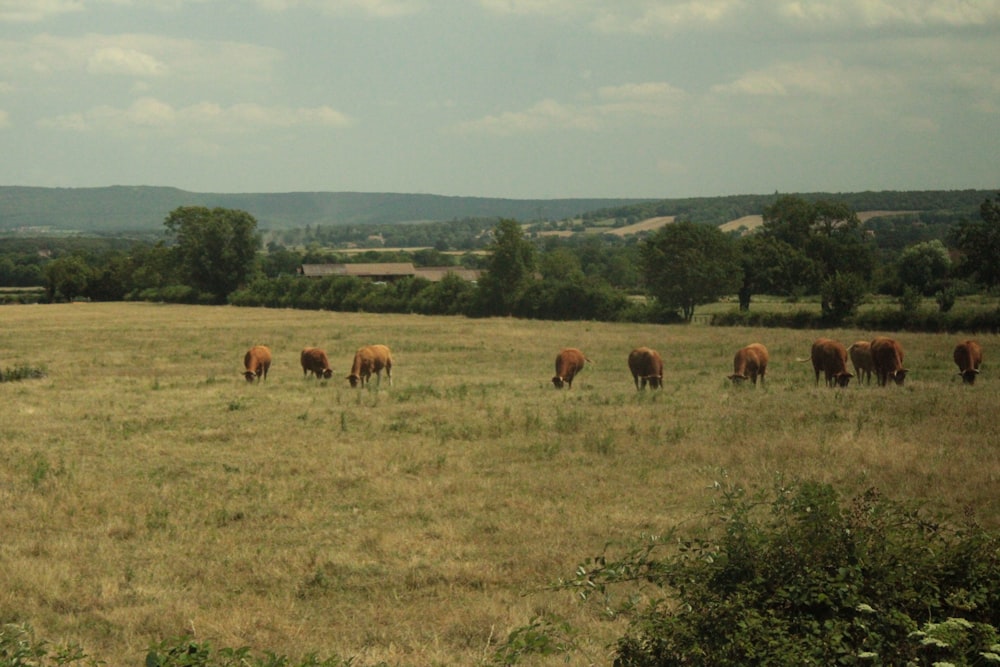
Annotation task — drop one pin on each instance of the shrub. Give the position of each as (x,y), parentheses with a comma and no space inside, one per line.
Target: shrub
(21,373)
(798,576)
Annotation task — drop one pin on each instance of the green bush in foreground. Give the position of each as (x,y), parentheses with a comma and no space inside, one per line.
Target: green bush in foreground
(20,648)
(800,577)
(20,373)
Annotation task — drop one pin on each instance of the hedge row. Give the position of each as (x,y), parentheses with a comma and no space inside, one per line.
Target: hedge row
(872,320)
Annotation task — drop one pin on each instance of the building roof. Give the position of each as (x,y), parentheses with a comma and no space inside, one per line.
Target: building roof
(386,271)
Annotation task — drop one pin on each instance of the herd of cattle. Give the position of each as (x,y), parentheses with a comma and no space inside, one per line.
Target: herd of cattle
(881,356)
(367,360)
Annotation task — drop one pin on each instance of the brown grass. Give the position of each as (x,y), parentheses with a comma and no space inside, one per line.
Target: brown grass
(148,491)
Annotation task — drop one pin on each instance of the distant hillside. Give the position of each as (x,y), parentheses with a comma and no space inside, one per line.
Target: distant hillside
(729,209)
(121,208)
(142,209)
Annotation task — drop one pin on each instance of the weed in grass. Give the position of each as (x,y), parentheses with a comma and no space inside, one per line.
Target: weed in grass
(156,519)
(600,443)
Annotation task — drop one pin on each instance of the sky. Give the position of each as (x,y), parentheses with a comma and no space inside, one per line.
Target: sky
(518,99)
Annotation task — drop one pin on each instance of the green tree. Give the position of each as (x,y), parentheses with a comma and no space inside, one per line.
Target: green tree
(509,272)
(770,266)
(829,234)
(216,248)
(979,243)
(924,266)
(687,264)
(67,277)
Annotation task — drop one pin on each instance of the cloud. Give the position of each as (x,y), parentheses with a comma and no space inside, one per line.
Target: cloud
(137,55)
(118,60)
(546,115)
(4,119)
(670,17)
(876,14)
(374,8)
(610,105)
(152,114)
(33,11)
(813,78)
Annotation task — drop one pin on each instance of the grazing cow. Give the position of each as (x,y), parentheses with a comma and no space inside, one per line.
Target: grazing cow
(646,366)
(257,361)
(968,356)
(569,362)
(861,357)
(887,358)
(314,361)
(371,359)
(830,358)
(749,363)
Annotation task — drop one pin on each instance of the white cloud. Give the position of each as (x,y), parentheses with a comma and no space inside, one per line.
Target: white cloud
(4,119)
(813,78)
(654,17)
(375,8)
(32,11)
(138,55)
(118,60)
(820,14)
(613,104)
(546,115)
(153,114)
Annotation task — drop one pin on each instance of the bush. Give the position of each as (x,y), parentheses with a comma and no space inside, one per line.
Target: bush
(21,373)
(798,576)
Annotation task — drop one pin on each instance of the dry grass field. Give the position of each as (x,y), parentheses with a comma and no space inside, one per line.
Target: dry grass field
(147,491)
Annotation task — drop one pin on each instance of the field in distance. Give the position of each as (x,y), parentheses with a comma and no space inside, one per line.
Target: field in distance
(149,492)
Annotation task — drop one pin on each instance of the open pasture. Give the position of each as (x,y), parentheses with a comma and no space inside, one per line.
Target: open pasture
(148,491)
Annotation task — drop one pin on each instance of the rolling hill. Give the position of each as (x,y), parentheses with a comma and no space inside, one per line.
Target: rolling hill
(143,208)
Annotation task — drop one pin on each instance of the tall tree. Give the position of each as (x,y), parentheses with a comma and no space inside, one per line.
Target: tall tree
(924,266)
(979,243)
(687,265)
(216,248)
(510,269)
(830,235)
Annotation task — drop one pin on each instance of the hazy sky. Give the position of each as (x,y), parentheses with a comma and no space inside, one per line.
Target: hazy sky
(502,98)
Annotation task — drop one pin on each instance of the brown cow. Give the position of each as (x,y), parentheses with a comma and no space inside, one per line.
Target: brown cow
(749,363)
(257,361)
(646,366)
(861,357)
(968,356)
(371,359)
(830,358)
(887,358)
(314,360)
(569,362)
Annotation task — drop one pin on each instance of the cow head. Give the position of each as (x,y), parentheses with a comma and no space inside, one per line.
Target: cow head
(738,379)
(899,376)
(558,382)
(655,381)
(327,373)
(843,379)
(969,376)
(250,376)
(353,379)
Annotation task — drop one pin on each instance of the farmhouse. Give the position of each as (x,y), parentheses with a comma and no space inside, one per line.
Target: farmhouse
(387,271)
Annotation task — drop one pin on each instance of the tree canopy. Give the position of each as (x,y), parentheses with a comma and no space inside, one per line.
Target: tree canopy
(215,248)
(687,264)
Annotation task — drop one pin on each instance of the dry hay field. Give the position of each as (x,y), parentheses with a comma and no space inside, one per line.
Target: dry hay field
(148,492)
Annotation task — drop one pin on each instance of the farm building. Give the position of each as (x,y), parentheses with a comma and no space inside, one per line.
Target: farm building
(387,272)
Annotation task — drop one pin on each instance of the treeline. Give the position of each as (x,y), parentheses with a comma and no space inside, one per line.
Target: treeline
(803,248)
(719,210)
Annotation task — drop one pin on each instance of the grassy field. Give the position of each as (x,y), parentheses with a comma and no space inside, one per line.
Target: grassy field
(148,491)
